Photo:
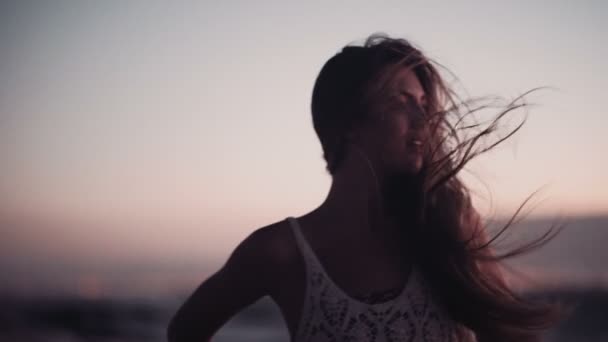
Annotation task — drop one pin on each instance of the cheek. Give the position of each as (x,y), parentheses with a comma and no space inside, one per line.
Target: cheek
(393,137)
(398,127)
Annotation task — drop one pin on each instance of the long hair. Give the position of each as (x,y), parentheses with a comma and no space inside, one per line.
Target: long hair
(443,229)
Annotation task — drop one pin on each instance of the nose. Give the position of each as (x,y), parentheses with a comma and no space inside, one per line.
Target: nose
(417,116)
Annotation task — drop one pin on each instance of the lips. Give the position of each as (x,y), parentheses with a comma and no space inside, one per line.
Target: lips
(415,143)
(416,140)
(415,146)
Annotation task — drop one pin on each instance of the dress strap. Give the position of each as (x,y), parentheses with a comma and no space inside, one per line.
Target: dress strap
(304,246)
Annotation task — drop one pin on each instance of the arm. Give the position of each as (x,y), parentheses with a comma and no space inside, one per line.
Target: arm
(249,274)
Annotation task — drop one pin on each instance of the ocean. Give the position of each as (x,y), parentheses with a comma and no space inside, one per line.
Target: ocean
(572,268)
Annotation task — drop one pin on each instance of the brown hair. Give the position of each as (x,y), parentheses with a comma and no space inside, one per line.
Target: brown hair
(447,228)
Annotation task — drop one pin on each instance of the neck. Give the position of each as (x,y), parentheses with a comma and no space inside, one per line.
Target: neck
(356,198)
(363,196)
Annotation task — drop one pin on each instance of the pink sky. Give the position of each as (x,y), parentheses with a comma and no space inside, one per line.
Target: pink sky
(175,131)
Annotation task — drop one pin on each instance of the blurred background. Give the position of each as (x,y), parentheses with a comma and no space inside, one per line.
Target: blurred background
(141,141)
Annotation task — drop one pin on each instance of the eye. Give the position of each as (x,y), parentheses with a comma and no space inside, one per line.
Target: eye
(409,97)
(406,96)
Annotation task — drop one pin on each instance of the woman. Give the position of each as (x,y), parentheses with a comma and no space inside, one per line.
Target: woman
(396,252)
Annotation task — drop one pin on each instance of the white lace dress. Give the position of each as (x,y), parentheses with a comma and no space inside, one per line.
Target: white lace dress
(329,314)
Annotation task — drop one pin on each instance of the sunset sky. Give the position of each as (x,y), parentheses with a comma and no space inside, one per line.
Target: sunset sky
(167,131)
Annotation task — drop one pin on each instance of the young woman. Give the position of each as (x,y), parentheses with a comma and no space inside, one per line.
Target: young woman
(396,252)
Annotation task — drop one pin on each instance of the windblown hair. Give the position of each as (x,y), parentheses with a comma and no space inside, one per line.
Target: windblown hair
(448,236)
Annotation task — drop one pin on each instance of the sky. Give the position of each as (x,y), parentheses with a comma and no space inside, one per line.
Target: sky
(148,131)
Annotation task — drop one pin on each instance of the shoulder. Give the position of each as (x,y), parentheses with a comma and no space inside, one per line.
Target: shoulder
(272,243)
(265,253)
(252,271)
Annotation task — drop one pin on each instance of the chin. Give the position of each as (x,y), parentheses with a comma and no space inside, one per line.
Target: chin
(406,164)
(412,166)
(413,170)
(407,169)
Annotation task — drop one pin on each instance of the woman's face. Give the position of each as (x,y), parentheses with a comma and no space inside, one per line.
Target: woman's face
(398,132)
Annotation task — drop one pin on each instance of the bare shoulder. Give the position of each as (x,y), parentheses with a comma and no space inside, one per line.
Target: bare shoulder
(264,258)
(272,245)
(253,270)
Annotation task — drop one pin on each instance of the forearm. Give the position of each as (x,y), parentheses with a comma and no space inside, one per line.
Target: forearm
(182,330)
(174,334)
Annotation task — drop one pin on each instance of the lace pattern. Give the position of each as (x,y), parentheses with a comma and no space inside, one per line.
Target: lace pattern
(330,315)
